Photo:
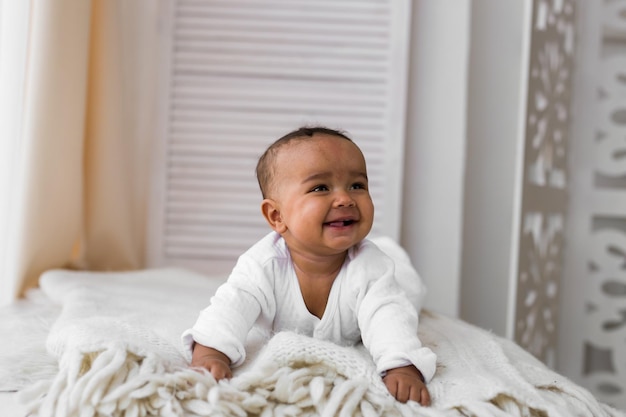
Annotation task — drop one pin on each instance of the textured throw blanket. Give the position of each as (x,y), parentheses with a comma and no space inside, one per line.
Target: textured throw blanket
(117,342)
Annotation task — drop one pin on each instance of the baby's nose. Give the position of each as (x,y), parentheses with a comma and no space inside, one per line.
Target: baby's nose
(344,200)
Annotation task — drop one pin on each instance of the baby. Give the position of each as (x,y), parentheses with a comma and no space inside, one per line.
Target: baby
(315,273)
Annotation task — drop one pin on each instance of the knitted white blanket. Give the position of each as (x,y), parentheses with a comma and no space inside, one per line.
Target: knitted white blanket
(117,341)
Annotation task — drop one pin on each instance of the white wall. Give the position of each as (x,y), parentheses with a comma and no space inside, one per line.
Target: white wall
(435,147)
(466,95)
(496,74)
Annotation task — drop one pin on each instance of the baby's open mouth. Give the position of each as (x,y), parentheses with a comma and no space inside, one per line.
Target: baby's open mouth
(340,223)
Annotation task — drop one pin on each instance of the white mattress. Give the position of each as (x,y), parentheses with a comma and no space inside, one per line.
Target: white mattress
(510,378)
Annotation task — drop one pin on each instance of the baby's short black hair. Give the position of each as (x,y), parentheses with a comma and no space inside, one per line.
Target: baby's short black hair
(265,165)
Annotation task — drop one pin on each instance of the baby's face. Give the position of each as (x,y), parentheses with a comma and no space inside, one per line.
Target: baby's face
(322,192)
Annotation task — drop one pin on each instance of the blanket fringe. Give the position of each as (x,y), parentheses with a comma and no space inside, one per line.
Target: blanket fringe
(116,382)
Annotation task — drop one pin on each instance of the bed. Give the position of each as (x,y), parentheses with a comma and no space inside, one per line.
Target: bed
(108,344)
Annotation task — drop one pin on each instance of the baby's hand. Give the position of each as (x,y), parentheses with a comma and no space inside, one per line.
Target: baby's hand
(212,360)
(406,383)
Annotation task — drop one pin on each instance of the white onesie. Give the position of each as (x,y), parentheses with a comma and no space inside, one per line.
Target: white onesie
(365,303)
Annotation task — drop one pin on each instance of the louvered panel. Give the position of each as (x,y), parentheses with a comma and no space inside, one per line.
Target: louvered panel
(191,119)
(242,73)
(189,150)
(323,11)
(286,88)
(192,107)
(209,95)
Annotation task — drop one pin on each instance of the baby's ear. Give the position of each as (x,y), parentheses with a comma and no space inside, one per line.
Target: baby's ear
(271,212)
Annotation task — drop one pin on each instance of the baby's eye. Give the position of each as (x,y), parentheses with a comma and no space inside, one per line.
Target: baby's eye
(319,188)
(358,186)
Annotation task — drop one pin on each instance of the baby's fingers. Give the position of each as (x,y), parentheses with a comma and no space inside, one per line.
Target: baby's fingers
(392,387)
(220,371)
(402,390)
(420,395)
(405,389)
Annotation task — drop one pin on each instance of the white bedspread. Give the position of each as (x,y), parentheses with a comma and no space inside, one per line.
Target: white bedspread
(117,342)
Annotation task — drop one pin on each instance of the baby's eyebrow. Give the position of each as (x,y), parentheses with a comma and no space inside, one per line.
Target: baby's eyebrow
(317,176)
(359,174)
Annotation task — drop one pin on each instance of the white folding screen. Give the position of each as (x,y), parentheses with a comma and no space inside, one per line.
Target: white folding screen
(237,75)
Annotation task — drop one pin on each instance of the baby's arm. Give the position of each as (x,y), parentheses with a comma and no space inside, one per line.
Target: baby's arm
(224,324)
(396,349)
(212,360)
(407,383)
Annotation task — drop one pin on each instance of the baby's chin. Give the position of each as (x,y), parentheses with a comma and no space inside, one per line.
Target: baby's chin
(345,242)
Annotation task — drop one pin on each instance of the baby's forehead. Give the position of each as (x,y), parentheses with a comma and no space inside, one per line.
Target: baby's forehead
(317,141)
(308,152)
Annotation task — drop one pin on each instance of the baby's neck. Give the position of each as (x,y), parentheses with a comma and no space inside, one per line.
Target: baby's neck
(316,278)
(318,267)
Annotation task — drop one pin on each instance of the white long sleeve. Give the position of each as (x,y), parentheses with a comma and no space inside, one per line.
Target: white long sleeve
(365,302)
(387,319)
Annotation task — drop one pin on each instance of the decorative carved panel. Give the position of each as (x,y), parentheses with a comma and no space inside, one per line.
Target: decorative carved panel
(543,204)
(594,339)
(604,359)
